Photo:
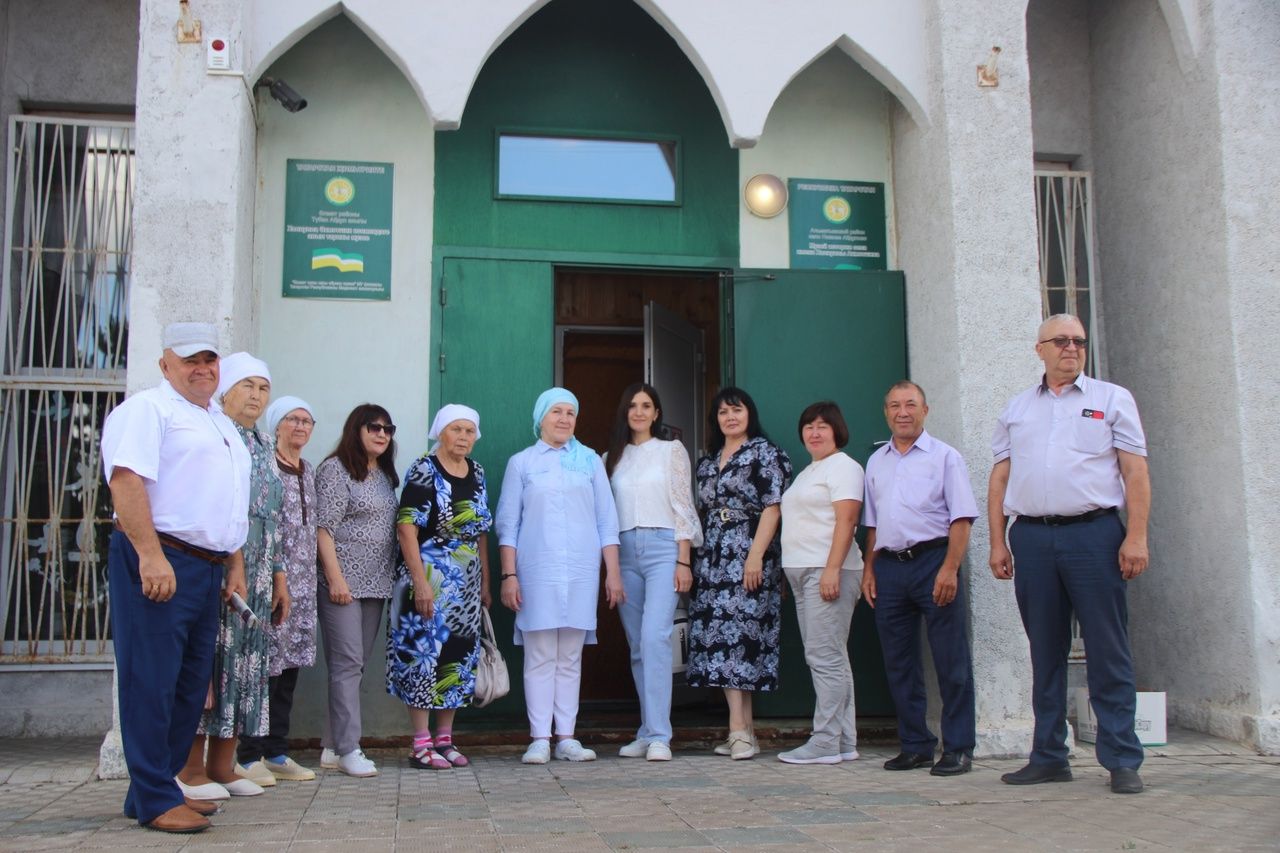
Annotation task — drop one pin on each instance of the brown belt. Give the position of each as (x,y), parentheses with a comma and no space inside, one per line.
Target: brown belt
(218,558)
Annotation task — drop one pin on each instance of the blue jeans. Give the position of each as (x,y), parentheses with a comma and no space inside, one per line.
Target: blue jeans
(1057,570)
(164,660)
(904,593)
(648,559)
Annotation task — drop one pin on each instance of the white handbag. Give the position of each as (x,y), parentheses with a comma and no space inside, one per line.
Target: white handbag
(492,680)
(680,639)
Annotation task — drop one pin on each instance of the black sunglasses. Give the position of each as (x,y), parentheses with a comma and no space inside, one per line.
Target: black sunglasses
(375,428)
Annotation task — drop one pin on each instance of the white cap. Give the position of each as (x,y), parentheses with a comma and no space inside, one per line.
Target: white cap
(187,339)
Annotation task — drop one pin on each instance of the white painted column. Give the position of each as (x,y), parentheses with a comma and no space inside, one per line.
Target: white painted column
(966,238)
(193,202)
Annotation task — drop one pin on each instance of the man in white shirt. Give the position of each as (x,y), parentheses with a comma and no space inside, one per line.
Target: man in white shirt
(1069,453)
(179,479)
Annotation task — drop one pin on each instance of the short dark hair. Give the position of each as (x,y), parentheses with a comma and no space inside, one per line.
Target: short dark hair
(830,413)
(734,397)
(620,436)
(350,450)
(905,383)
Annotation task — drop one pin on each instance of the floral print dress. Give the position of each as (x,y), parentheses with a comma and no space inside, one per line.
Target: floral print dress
(733,634)
(240,655)
(431,663)
(293,642)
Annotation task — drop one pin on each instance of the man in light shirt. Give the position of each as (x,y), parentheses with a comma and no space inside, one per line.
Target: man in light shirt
(179,479)
(1069,453)
(918,512)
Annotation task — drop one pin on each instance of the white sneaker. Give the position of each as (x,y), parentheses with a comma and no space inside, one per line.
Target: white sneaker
(848,752)
(328,759)
(810,753)
(570,749)
(243,788)
(539,752)
(657,751)
(636,749)
(257,773)
(355,764)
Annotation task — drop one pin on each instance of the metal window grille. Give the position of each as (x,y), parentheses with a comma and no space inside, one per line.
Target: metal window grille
(1064,219)
(68,235)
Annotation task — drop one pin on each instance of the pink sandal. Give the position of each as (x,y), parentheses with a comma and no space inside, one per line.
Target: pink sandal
(425,757)
(451,754)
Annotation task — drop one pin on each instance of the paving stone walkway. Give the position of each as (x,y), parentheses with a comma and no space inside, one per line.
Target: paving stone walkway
(1203,794)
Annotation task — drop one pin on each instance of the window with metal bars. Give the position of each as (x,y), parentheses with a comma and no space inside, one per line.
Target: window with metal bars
(67,232)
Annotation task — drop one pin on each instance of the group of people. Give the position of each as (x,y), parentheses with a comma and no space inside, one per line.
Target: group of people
(208,663)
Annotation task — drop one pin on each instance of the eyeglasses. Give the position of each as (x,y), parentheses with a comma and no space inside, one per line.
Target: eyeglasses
(1063,342)
(305,423)
(375,428)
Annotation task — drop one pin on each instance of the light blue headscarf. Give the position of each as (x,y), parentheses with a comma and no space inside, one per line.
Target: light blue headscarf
(576,456)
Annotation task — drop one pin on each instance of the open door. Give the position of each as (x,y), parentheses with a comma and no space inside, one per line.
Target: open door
(673,365)
(800,336)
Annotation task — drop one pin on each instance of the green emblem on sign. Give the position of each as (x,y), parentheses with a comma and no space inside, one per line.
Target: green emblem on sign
(340,192)
(836,209)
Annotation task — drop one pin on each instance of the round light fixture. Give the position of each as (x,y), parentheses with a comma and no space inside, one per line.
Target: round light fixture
(765,195)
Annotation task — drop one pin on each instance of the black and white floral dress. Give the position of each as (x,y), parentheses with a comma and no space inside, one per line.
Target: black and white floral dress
(733,634)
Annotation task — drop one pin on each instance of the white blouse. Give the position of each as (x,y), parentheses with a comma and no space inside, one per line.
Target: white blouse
(652,487)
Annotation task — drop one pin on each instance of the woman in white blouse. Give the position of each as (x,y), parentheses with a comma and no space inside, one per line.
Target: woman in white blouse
(658,526)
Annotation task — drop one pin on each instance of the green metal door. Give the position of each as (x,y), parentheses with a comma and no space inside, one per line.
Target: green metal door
(496,355)
(800,336)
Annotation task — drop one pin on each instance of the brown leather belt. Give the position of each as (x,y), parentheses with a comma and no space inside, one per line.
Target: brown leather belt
(915,550)
(1059,520)
(218,558)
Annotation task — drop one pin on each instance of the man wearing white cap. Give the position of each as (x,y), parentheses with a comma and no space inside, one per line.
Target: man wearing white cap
(179,479)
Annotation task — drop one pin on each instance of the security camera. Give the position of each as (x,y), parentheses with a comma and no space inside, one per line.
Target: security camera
(284,94)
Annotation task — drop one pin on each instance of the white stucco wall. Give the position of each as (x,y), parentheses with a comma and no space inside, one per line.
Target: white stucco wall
(336,354)
(1186,195)
(1058,52)
(831,122)
(966,241)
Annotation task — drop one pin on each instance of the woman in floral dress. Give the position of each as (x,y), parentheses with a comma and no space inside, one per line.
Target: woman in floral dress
(238,693)
(292,643)
(735,615)
(433,635)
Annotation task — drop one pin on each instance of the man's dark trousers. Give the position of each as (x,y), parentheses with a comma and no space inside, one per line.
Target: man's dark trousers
(164,659)
(1058,569)
(904,592)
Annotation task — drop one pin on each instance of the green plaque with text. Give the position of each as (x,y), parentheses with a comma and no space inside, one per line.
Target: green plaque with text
(836,224)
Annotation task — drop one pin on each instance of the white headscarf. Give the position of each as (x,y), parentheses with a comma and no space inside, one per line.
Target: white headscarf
(283,406)
(237,366)
(447,415)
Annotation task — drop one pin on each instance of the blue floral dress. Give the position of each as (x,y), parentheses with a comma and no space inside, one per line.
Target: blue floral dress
(431,663)
(733,634)
(240,662)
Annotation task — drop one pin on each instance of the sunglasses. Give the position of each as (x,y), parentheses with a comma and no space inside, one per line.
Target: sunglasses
(375,428)
(1063,342)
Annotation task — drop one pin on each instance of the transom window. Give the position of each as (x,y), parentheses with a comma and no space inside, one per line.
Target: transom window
(587,168)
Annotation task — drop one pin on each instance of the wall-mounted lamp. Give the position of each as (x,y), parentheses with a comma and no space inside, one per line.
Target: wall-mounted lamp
(188,27)
(283,93)
(765,196)
(988,75)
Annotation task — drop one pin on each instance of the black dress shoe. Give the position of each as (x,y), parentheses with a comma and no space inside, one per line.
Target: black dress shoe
(952,764)
(1125,780)
(1034,774)
(908,761)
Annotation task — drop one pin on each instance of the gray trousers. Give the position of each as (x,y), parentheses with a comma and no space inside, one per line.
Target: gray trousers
(350,632)
(824,628)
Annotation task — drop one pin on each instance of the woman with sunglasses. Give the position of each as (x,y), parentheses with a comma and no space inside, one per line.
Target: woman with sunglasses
(356,541)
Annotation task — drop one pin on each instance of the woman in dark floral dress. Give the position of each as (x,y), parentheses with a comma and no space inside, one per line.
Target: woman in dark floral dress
(433,636)
(735,614)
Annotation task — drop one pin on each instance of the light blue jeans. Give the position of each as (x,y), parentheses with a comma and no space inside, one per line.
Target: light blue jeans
(648,559)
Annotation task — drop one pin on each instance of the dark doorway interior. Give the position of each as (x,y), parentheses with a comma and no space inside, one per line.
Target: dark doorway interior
(599,318)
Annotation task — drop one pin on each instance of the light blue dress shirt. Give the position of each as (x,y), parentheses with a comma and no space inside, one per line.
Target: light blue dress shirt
(914,497)
(558,521)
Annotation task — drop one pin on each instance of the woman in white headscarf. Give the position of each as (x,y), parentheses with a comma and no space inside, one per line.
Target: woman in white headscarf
(433,634)
(237,702)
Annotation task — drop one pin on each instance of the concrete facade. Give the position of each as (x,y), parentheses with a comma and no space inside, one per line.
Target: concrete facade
(1172,103)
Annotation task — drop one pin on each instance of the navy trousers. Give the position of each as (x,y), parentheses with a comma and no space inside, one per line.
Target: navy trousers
(904,593)
(1058,570)
(164,659)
